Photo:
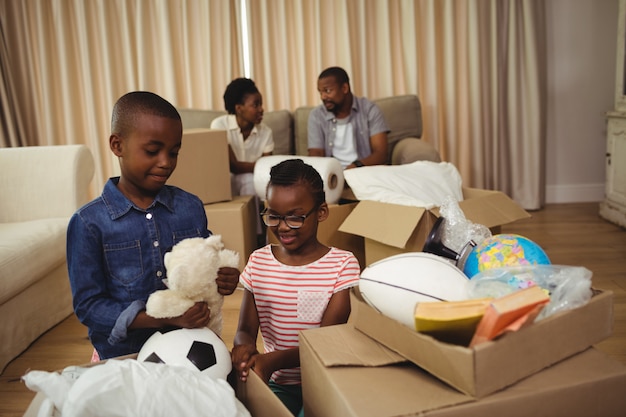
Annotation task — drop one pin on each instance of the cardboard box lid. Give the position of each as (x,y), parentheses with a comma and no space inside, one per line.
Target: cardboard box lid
(489,208)
(393,224)
(337,346)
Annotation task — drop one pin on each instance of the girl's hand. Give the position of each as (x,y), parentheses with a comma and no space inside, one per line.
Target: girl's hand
(227,280)
(244,357)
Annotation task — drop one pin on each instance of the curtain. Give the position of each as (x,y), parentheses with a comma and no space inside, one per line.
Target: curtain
(479,68)
(68,61)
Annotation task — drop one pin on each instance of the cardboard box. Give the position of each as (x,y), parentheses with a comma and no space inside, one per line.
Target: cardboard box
(390,229)
(255,395)
(235,221)
(343,374)
(203,167)
(493,365)
(328,233)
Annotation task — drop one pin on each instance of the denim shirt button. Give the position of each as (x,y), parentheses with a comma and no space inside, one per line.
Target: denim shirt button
(159,274)
(155,243)
(149,216)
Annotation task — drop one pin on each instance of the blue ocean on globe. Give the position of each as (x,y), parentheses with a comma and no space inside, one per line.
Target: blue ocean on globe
(504,250)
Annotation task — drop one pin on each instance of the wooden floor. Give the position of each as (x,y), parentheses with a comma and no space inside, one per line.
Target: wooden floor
(571,234)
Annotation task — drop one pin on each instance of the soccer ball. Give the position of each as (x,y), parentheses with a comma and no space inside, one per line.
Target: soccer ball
(197,349)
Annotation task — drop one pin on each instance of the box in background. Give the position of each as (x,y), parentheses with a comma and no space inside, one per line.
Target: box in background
(202,167)
(493,365)
(235,221)
(390,229)
(344,374)
(329,235)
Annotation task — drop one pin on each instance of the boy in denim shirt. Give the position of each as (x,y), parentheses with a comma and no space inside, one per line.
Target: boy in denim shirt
(116,243)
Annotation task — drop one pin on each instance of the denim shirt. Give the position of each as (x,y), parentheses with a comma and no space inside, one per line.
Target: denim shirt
(366,118)
(115,260)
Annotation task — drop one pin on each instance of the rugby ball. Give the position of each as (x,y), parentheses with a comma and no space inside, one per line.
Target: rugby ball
(394,285)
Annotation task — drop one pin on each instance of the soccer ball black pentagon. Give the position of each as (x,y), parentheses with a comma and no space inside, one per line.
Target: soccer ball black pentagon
(197,349)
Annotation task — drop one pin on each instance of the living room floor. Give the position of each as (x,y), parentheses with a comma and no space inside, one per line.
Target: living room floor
(571,234)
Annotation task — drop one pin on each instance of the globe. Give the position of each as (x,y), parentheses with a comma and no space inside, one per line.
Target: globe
(504,250)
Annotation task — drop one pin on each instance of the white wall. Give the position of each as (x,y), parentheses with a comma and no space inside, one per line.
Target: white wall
(581,49)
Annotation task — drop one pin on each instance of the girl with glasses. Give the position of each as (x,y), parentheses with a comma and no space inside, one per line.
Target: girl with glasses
(296,285)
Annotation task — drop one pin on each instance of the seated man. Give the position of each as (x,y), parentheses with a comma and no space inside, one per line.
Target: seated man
(351,129)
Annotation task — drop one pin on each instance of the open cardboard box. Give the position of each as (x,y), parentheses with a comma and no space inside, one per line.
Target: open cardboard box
(346,373)
(492,365)
(390,229)
(255,395)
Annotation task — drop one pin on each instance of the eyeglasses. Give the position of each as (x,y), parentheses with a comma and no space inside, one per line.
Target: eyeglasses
(293,222)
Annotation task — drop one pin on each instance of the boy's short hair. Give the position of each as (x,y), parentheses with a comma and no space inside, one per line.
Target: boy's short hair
(236,91)
(130,105)
(295,171)
(340,75)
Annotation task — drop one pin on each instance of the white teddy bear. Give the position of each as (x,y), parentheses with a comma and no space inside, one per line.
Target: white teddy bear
(192,267)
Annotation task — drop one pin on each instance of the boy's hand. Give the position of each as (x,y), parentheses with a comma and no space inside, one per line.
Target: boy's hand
(243,358)
(198,315)
(227,279)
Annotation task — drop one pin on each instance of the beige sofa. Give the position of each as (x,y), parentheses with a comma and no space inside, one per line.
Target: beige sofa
(403,115)
(40,188)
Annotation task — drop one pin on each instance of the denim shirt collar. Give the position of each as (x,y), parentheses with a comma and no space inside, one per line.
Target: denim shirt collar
(117,204)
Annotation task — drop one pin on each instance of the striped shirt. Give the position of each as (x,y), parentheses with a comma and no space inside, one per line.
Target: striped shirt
(294,298)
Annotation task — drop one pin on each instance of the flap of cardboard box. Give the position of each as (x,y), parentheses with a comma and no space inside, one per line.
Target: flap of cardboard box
(489,208)
(391,224)
(356,389)
(394,224)
(341,347)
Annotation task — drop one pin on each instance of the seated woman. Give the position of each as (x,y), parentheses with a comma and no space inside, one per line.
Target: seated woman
(248,138)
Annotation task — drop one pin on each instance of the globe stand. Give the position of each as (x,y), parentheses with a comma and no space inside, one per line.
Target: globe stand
(434,245)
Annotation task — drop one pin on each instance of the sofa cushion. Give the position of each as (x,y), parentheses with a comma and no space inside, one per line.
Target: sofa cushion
(301,124)
(28,251)
(409,150)
(198,119)
(403,115)
(281,123)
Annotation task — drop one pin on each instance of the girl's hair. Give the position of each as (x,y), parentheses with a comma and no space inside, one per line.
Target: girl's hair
(236,91)
(295,171)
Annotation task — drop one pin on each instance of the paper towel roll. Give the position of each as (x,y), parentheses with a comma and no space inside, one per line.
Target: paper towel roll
(329,169)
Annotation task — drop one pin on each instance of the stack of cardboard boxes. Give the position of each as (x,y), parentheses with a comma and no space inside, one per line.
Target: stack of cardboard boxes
(376,366)
(203,170)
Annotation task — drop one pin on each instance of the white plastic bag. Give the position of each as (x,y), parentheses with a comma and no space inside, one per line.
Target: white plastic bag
(569,286)
(132,388)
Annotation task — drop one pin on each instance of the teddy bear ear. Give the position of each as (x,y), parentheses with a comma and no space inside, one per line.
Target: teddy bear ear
(215,242)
